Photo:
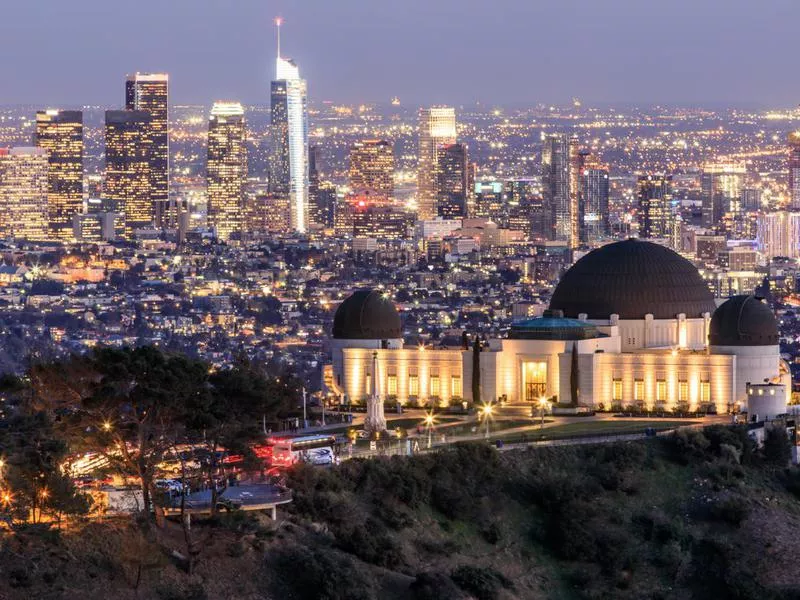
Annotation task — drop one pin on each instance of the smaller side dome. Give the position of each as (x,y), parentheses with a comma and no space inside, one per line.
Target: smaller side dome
(367,315)
(743,320)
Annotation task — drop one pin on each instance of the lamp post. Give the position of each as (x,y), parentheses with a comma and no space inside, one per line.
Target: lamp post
(487,410)
(429,422)
(305,422)
(542,407)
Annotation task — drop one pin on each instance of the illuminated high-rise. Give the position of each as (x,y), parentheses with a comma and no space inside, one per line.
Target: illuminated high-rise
(556,183)
(321,194)
(437,127)
(149,92)
(721,185)
(60,132)
(778,234)
(452,180)
(371,169)
(794,170)
(289,130)
(23,193)
(128,181)
(594,197)
(655,206)
(226,168)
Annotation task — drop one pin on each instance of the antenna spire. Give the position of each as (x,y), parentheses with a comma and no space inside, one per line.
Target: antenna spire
(278,23)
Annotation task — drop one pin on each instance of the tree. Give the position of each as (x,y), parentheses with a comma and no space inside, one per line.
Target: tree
(124,404)
(573,376)
(476,370)
(33,481)
(777,448)
(231,413)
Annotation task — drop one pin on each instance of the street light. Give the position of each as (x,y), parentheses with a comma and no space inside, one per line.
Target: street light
(542,407)
(486,411)
(106,426)
(430,420)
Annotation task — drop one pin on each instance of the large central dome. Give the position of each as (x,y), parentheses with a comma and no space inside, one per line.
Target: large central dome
(632,278)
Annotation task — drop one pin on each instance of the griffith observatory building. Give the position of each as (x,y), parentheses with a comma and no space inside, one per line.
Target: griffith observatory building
(632,323)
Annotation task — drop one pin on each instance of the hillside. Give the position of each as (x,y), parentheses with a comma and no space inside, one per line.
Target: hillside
(692,515)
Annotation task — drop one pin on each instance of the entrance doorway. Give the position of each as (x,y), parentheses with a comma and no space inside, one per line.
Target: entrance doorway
(534,380)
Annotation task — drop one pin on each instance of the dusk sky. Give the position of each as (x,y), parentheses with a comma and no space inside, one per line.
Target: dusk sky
(58,52)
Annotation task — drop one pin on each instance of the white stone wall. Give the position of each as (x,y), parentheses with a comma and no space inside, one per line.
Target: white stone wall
(402,363)
(692,367)
(680,332)
(754,364)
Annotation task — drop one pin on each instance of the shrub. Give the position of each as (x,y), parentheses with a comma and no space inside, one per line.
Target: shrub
(435,586)
(172,591)
(777,447)
(686,444)
(371,542)
(732,510)
(317,573)
(485,583)
(735,436)
(791,479)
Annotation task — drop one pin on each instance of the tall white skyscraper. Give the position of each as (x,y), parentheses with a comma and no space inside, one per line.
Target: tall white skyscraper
(289,127)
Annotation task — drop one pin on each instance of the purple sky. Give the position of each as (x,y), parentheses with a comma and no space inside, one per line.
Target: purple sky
(61,52)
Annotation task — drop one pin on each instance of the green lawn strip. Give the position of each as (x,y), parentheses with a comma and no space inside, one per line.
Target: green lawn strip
(597,428)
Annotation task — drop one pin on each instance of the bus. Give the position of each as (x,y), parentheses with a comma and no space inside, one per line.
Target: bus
(311,449)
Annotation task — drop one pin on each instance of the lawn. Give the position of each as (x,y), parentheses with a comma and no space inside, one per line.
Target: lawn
(592,428)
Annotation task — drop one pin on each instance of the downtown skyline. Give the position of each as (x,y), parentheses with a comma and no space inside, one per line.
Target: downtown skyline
(697,53)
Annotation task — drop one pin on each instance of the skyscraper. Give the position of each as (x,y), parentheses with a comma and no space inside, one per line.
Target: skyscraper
(794,170)
(60,132)
(128,180)
(289,129)
(655,206)
(778,234)
(372,168)
(452,180)
(556,179)
(321,194)
(23,193)
(594,196)
(149,92)
(721,185)
(226,168)
(437,127)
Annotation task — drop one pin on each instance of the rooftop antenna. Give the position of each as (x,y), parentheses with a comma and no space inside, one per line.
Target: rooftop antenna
(278,23)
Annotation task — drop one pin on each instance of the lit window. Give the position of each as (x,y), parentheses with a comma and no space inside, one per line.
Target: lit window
(638,389)
(705,391)
(616,393)
(683,391)
(413,385)
(661,390)
(435,388)
(391,385)
(368,384)
(456,391)
(772,392)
